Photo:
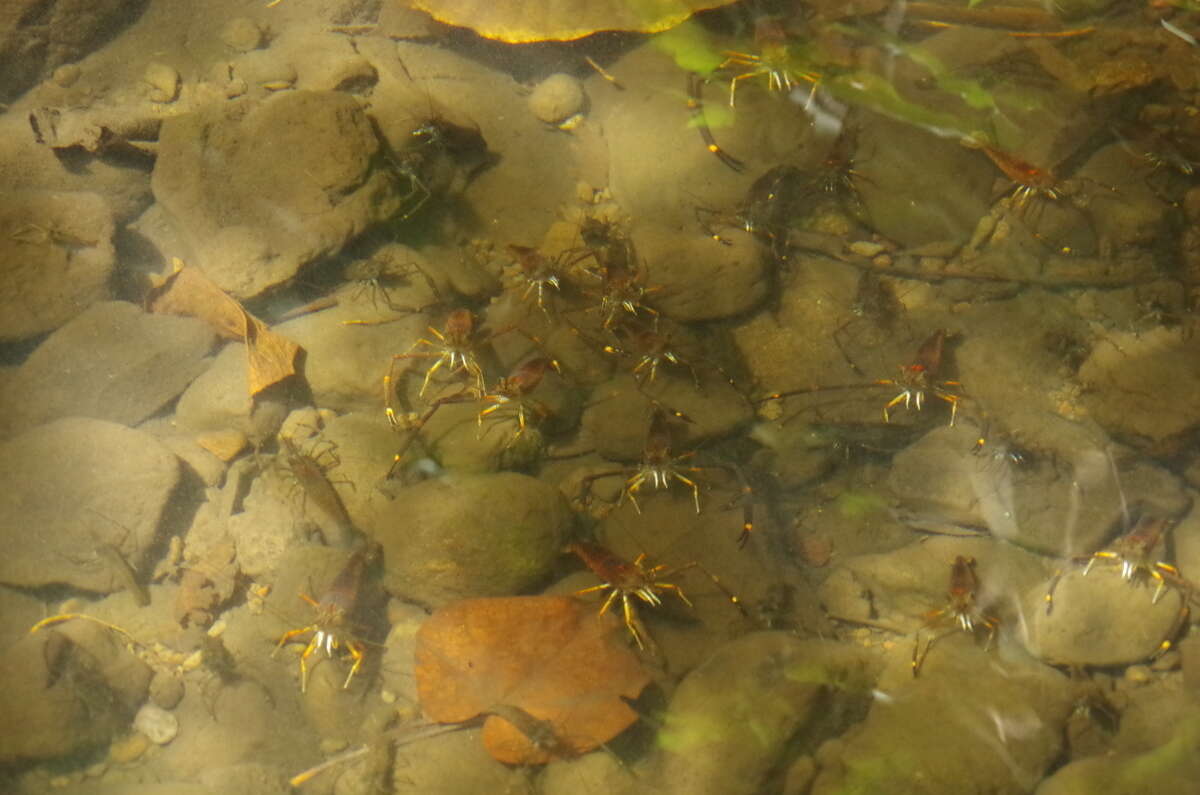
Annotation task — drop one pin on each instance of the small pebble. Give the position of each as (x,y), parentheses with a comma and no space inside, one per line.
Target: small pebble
(1138,674)
(128,748)
(156,723)
(1169,661)
(96,770)
(865,248)
(225,445)
(265,69)
(66,75)
(242,34)
(163,81)
(557,98)
(166,690)
(882,260)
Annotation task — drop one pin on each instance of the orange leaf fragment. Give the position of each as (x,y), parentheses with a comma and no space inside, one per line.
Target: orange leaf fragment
(548,664)
(270,357)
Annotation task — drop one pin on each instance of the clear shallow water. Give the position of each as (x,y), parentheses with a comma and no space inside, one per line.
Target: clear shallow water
(988,234)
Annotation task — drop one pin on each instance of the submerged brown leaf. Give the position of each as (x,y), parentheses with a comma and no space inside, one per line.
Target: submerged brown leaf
(270,357)
(545,663)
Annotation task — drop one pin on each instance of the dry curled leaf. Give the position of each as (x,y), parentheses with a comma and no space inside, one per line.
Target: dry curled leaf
(547,663)
(187,291)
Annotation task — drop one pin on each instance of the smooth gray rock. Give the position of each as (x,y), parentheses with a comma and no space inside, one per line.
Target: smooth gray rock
(1100,619)
(465,536)
(344,364)
(1061,501)
(56,258)
(258,191)
(76,493)
(113,362)
(694,278)
(220,400)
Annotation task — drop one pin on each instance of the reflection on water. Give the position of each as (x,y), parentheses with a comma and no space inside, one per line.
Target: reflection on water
(848,347)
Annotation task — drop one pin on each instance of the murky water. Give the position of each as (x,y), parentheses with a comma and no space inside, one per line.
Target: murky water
(792,399)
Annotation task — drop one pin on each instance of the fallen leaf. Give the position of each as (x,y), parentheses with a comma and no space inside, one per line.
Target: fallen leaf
(187,291)
(548,663)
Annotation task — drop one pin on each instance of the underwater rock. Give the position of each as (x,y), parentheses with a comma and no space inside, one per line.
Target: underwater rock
(616,418)
(36,36)
(344,364)
(220,400)
(971,723)
(454,438)
(269,523)
(18,612)
(162,82)
(264,71)
(156,723)
(897,588)
(1173,766)
(247,776)
(236,729)
(557,98)
(1143,383)
(82,503)
(1016,356)
(1060,501)
(659,168)
(323,62)
(696,278)
(454,762)
(589,773)
(166,690)
(113,362)
(364,444)
(815,300)
(396,666)
(732,718)
(906,162)
(55,259)
(258,191)
(1101,619)
(242,34)
(471,535)
(67,688)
